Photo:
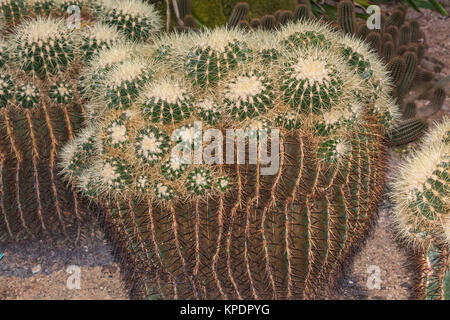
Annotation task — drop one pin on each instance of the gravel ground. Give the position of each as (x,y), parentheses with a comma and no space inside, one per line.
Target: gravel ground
(38,270)
(51,269)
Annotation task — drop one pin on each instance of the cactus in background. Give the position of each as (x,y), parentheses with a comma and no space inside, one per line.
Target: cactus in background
(285,17)
(240,12)
(436,102)
(410,110)
(203,230)
(255,23)
(415,31)
(388,51)
(408,131)
(410,72)
(346,17)
(184,6)
(423,75)
(420,193)
(396,68)
(374,40)
(268,22)
(404,35)
(136,19)
(397,18)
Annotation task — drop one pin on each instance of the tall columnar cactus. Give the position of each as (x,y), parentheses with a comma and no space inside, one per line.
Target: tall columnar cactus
(13,11)
(420,192)
(240,12)
(346,16)
(210,229)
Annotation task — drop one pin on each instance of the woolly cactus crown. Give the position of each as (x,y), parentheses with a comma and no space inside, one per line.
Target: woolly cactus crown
(43,47)
(420,191)
(136,19)
(215,77)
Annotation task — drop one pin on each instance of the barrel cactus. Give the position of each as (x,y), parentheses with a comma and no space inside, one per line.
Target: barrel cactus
(136,19)
(420,192)
(232,224)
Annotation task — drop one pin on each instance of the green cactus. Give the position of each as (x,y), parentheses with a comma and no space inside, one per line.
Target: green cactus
(184,6)
(404,35)
(99,37)
(420,195)
(13,11)
(410,72)
(41,107)
(396,68)
(240,12)
(410,110)
(346,17)
(408,131)
(167,102)
(302,11)
(415,31)
(136,19)
(209,62)
(43,47)
(388,50)
(397,18)
(268,22)
(203,229)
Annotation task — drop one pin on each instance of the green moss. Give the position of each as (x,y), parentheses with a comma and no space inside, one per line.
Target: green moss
(210,13)
(216,12)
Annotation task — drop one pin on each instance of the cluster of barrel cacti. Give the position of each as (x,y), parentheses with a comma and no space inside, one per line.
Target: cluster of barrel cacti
(223,229)
(41,107)
(398,42)
(420,193)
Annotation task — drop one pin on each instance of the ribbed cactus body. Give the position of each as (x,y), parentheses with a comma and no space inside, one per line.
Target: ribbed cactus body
(43,47)
(35,202)
(346,17)
(408,131)
(420,193)
(136,19)
(99,37)
(240,12)
(224,230)
(207,64)
(40,110)
(13,11)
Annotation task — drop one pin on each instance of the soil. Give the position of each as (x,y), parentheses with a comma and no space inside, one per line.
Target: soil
(38,270)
